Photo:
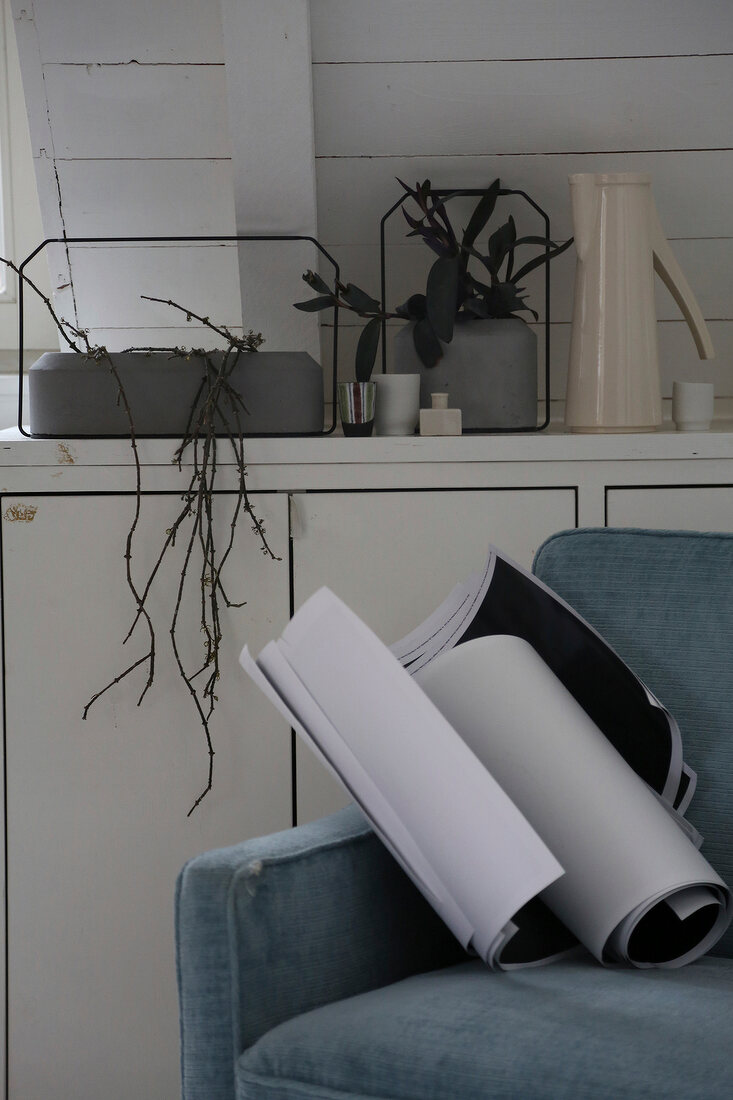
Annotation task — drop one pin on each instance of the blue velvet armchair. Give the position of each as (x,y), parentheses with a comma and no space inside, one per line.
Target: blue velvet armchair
(310,967)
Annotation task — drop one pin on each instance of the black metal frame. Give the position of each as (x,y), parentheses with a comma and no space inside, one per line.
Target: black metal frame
(175,240)
(476,192)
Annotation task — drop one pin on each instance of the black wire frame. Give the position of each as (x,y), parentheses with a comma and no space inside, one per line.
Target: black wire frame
(176,240)
(475,192)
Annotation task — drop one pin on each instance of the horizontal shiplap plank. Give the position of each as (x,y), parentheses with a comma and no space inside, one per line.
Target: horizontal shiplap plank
(678,359)
(110,31)
(428,30)
(692,190)
(707,264)
(150,198)
(524,106)
(108,282)
(133,111)
(214,281)
(192,336)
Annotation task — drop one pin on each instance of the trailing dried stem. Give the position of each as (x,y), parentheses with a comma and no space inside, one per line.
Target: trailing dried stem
(215,413)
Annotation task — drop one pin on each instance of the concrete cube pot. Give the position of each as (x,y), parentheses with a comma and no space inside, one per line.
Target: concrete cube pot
(72,395)
(489,371)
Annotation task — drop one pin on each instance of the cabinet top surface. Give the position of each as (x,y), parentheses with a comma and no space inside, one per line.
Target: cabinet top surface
(554,444)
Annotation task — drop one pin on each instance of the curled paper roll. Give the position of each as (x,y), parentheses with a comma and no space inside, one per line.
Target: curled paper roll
(446,820)
(635,889)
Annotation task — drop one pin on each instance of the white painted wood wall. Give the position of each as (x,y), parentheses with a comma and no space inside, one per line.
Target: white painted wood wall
(128,118)
(530,91)
(128,106)
(24,228)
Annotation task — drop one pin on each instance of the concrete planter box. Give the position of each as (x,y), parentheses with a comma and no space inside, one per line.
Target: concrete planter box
(71,395)
(489,371)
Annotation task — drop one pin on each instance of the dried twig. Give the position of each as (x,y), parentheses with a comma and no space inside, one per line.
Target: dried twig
(215,410)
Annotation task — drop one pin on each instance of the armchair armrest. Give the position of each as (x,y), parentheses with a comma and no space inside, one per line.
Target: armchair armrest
(273,927)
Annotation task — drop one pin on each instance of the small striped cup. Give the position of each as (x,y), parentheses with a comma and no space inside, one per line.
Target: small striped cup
(356,406)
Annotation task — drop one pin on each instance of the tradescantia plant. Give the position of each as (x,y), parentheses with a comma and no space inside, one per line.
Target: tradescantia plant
(357,301)
(488,287)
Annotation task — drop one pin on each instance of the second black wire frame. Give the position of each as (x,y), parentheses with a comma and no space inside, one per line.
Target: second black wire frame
(475,192)
(177,240)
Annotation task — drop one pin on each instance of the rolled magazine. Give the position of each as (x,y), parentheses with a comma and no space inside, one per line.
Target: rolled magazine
(635,889)
(508,805)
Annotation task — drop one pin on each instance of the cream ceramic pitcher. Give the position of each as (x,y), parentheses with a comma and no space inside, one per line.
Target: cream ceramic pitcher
(613,375)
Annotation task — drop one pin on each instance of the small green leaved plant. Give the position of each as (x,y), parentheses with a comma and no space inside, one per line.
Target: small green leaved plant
(452,287)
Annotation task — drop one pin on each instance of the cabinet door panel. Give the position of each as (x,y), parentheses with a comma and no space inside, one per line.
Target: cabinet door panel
(674,509)
(97,825)
(394,556)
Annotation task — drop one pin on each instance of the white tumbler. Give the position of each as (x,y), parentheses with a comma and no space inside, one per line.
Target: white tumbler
(692,406)
(398,404)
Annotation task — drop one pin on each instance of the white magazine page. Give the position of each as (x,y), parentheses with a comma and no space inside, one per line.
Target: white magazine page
(279,683)
(677,765)
(412,646)
(479,845)
(293,706)
(444,629)
(273,675)
(622,852)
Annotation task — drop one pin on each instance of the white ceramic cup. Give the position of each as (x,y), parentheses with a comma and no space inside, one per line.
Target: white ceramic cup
(692,405)
(398,404)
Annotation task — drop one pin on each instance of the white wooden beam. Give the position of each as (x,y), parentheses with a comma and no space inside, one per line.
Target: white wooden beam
(268,71)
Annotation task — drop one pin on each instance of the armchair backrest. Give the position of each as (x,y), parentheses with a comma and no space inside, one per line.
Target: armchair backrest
(664,601)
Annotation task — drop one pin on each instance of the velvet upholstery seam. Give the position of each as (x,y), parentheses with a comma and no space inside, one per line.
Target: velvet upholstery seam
(309,1089)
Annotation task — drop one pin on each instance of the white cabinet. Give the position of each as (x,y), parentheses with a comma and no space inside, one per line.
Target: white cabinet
(96,809)
(394,556)
(681,508)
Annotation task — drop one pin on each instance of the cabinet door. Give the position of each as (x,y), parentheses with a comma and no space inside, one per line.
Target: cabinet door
(394,556)
(96,809)
(695,508)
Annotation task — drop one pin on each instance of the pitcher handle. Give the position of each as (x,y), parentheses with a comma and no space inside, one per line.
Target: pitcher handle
(670,272)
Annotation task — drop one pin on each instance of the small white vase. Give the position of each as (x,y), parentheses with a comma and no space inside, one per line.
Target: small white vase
(692,405)
(398,403)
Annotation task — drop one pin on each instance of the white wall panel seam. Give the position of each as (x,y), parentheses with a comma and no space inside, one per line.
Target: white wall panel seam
(528,60)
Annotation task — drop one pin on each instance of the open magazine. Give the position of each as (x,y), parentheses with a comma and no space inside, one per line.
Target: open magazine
(505,599)
(531,815)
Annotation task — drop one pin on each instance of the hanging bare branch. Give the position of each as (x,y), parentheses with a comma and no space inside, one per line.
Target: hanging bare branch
(215,411)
